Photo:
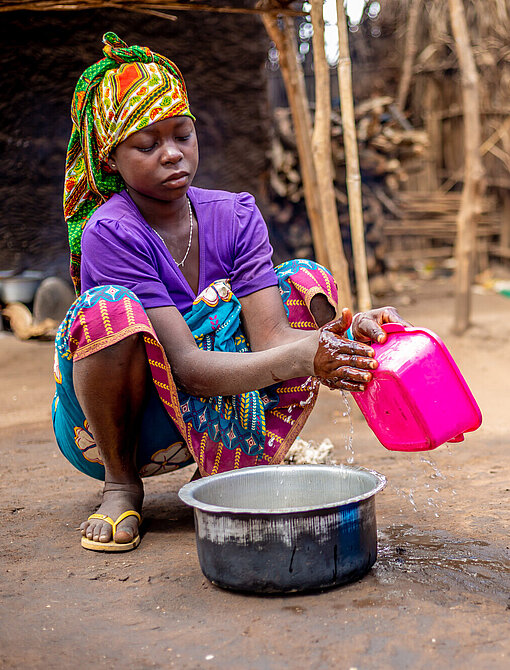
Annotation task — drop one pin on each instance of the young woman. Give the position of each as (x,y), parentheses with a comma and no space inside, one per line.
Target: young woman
(185,344)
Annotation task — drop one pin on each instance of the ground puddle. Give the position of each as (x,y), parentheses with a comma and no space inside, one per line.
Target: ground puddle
(439,557)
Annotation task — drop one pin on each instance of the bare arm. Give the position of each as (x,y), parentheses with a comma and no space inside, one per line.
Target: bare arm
(210,373)
(281,352)
(265,322)
(338,362)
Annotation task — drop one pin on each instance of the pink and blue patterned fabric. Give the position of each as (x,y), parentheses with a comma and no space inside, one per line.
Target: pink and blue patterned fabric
(219,434)
(237,421)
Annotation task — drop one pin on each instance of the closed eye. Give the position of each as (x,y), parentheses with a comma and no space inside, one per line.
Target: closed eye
(145,149)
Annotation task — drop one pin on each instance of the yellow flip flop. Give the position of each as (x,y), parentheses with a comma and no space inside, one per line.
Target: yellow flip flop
(94,545)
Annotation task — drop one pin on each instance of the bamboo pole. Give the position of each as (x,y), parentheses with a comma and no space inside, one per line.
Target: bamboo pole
(473,171)
(321,147)
(353,180)
(294,81)
(409,53)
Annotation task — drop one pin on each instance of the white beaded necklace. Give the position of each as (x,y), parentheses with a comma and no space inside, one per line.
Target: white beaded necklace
(179,265)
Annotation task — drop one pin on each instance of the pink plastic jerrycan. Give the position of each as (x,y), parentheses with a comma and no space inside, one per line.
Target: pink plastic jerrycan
(417,398)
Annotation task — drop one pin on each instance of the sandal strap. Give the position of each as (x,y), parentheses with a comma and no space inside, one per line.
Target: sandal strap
(114,524)
(124,515)
(103,517)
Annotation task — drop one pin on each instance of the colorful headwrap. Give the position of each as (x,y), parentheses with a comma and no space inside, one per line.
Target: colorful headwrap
(127,90)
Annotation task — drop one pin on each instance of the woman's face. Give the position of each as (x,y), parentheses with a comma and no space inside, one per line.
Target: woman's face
(160,161)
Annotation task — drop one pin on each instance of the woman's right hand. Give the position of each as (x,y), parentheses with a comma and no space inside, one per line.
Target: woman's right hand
(340,363)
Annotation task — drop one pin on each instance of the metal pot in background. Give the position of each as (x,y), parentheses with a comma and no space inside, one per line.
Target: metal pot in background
(4,274)
(20,288)
(281,528)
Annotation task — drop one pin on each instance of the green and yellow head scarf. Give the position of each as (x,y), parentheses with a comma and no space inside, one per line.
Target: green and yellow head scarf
(127,90)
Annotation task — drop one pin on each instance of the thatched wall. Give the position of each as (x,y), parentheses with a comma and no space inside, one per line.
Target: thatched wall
(43,53)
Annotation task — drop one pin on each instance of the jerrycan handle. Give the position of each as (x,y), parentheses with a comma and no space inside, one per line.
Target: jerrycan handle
(393,328)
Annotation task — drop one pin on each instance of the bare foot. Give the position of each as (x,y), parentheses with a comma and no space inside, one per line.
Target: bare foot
(117,498)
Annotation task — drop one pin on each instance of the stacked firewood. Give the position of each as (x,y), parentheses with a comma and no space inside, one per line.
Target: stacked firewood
(387,146)
(390,149)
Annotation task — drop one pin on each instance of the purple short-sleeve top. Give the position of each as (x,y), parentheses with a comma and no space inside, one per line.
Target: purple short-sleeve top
(119,247)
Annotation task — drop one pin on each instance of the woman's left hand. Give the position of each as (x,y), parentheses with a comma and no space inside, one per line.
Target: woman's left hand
(366,326)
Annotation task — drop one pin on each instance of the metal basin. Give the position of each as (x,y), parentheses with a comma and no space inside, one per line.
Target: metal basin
(20,288)
(280,528)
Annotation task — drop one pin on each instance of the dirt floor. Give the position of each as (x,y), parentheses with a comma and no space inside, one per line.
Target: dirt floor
(438,596)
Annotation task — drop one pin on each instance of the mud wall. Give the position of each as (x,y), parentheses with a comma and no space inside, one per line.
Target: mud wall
(42,55)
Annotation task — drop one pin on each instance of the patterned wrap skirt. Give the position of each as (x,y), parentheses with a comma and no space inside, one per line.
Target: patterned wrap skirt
(177,429)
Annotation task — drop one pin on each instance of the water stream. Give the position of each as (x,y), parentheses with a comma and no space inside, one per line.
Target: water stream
(347,412)
(437,491)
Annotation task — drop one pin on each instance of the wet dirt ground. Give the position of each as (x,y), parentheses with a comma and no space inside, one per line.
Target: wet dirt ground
(438,596)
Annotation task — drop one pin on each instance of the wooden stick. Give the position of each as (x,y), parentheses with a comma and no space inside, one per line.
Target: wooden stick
(433,127)
(473,171)
(409,53)
(321,146)
(504,239)
(174,5)
(500,132)
(488,145)
(150,12)
(501,155)
(353,180)
(294,81)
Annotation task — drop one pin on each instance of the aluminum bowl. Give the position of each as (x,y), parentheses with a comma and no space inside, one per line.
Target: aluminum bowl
(279,528)
(4,274)
(20,288)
